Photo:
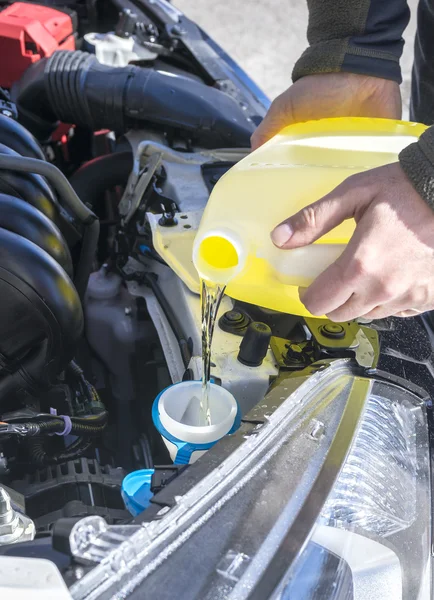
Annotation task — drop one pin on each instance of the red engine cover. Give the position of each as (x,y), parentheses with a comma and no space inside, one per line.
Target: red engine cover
(29,32)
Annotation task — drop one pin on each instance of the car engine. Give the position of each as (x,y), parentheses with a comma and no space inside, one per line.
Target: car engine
(116,121)
(110,128)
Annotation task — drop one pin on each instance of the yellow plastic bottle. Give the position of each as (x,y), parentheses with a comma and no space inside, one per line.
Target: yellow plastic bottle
(295,168)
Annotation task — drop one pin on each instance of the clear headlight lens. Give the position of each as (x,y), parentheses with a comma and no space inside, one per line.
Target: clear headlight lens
(376,490)
(372,539)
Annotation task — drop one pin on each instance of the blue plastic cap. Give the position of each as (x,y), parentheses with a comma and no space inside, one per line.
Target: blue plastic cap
(136,490)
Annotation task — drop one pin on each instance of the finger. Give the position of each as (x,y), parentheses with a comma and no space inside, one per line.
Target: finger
(413,302)
(356,306)
(357,283)
(346,280)
(405,314)
(392,309)
(279,115)
(367,297)
(382,312)
(395,310)
(327,292)
(313,221)
(362,304)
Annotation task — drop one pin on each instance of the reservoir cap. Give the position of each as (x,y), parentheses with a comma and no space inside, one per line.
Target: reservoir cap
(136,490)
(254,346)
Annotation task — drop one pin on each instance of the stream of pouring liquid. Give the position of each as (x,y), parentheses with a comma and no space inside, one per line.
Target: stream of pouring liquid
(211,296)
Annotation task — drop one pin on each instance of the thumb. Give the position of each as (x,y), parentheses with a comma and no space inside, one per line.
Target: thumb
(279,115)
(313,221)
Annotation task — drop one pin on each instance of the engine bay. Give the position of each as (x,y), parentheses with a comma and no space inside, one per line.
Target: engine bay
(95,323)
(117,118)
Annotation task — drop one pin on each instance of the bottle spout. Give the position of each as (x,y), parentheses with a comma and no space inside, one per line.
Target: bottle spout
(218,256)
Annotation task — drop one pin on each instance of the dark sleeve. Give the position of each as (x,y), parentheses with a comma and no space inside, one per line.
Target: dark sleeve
(354,36)
(417,160)
(422,85)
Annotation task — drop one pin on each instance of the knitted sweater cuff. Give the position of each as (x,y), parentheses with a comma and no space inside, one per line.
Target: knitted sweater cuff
(417,161)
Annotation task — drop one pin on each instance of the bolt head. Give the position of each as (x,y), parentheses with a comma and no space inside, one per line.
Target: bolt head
(333,331)
(234,316)
(9,528)
(177,30)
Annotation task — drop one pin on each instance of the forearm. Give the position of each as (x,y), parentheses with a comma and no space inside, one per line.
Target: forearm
(354,36)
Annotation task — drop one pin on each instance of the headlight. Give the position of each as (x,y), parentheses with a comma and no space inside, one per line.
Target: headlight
(328,499)
(372,539)
(376,491)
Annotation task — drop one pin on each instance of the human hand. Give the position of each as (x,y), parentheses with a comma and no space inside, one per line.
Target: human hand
(330,95)
(388,266)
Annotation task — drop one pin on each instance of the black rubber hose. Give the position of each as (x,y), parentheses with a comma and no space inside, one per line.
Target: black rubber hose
(41,457)
(88,251)
(57,180)
(36,191)
(30,187)
(73,202)
(78,89)
(145,446)
(93,178)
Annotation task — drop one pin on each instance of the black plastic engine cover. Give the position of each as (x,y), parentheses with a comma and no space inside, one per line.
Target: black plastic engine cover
(23,219)
(39,306)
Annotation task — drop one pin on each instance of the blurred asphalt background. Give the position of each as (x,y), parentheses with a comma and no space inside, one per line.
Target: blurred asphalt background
(267,36)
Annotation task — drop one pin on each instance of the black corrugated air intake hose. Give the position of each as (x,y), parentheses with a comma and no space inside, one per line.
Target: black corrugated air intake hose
(74,87)
(41,316)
